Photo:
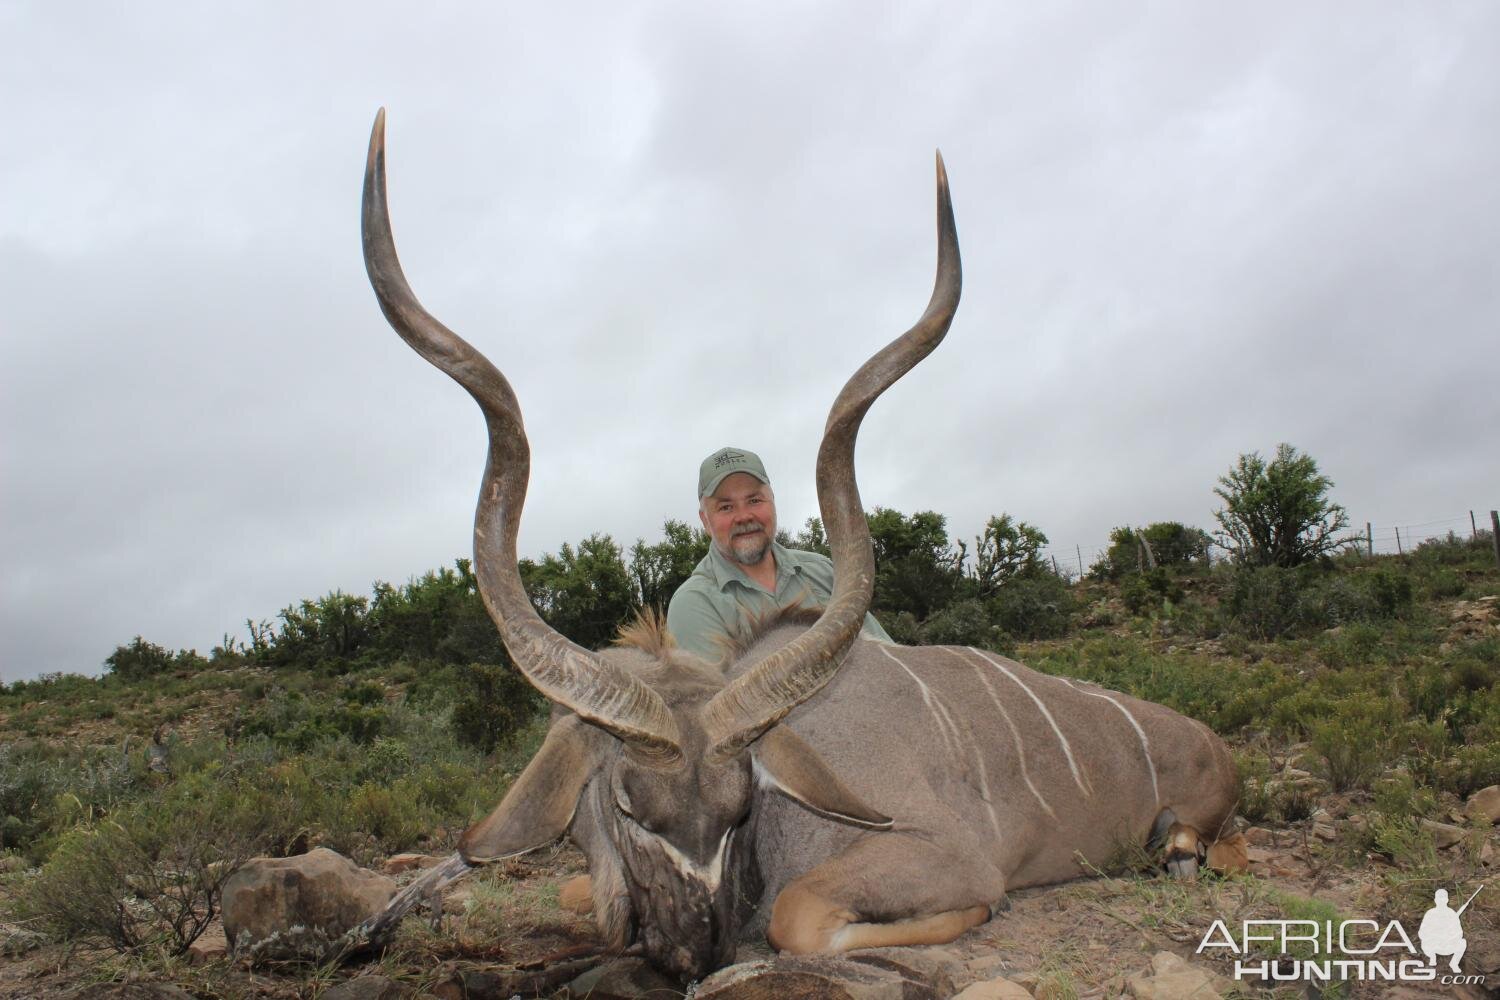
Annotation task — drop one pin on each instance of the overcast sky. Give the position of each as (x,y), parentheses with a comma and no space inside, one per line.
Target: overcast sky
(1189,231)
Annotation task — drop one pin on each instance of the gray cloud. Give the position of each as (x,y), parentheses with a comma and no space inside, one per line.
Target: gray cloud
(1186,234)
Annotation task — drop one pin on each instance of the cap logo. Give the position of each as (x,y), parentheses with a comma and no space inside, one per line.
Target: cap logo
(727,458)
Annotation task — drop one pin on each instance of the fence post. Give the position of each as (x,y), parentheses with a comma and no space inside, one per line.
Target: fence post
(1399,550)
(1055,570)
(1473,527)
(1495,534)
(1079,550)
(1369,539)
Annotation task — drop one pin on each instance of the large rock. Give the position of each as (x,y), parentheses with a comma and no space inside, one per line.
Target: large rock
(295,908)
(878,974)
(994,989)
(1173,978)
(1484,805)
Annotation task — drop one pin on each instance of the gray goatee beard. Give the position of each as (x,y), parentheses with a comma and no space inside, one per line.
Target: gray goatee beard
(750,547)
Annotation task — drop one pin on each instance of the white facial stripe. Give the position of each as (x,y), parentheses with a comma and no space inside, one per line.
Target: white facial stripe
(1014,733)
(1061,739)
(1141,733)
(710,877)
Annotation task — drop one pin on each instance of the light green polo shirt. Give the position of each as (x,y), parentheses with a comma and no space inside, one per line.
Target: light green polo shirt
(719,598)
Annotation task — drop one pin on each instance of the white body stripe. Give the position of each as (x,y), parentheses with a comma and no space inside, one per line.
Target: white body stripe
(939,712)
(1061,739)
(1015,734)
(1139,732)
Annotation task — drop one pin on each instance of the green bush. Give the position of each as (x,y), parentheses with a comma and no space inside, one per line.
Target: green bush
(151,874)
(493,704)
(1038,606)
(1264,602)
(141,660)
(966,623)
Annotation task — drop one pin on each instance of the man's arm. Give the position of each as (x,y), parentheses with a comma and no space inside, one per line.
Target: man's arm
(695,623)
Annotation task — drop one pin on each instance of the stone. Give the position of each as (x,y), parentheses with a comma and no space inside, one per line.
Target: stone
(1259,836)
(1173,978)
(1229,855)
(1444,835)
(295,908)
(398,863)
(812,977)
(994,989)
(369,988)
(1324,829)
(210,946)
(1484,804)
(622,979)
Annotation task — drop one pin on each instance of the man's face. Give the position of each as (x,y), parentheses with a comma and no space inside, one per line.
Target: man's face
(740,516)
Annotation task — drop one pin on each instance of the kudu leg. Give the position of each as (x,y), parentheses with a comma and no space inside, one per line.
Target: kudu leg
(847,902)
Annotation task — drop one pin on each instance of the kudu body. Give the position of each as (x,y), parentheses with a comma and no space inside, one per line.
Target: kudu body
(840,792)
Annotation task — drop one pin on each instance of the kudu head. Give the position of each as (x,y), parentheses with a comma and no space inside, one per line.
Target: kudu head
(660,759)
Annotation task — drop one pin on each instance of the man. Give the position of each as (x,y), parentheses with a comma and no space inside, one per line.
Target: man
(746,572)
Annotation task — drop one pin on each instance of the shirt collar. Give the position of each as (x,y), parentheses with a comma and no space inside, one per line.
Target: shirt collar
(726,571)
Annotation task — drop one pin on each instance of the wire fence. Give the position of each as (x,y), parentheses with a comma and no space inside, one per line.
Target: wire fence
(1073,559)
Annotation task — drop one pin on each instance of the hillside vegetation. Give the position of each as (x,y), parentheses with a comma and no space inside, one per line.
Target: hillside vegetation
(1358,690)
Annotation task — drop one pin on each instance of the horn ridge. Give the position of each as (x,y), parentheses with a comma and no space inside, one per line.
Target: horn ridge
(763,696)
(563,671)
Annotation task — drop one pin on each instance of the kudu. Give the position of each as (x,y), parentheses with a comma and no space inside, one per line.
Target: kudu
(846,793)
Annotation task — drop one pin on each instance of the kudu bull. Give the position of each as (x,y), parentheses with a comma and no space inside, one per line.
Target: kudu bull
(848,793)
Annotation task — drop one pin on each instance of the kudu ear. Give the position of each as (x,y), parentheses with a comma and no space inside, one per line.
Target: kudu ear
(784,761)
(539,807)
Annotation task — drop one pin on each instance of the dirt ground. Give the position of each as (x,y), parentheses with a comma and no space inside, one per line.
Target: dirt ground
(1085,939)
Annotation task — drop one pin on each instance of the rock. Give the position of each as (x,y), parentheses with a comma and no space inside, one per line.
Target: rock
(1324,829)
(622,979)
(131,991)
(994,989)
(369,988)
(1259,836)
(398,863)
(295,908)
(1487,854)
(210,946)
(813,977)
(576,895)
(1229,855)
(1173,978)
(1485,804)
(483,984)
(939,969)
(1444,835)
(456,900)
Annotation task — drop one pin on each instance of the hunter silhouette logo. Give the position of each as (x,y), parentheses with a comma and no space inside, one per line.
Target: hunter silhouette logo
(728,458)
(1441,933)
(1354,949)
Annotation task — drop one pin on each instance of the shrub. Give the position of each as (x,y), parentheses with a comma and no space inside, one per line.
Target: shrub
(1264,602)
(1039,606)
(142,659)
(1173,545)
(966,623)
(152,874)
(494,703)
(1278,513)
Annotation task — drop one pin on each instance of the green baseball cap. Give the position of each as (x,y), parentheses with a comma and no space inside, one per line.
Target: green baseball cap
(726,462)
